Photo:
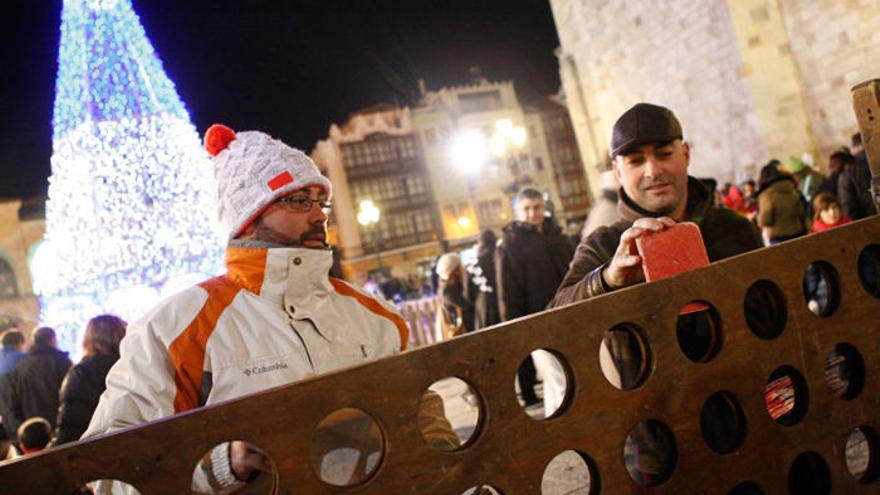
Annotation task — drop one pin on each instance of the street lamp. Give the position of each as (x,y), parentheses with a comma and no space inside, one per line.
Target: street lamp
(470,151)
(368,216)
(368,213)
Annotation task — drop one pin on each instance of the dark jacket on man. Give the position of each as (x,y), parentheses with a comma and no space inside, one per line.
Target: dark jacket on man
(36,381)
(853,189)
(481,288)
(830,184)
(530,264)
(725,233)
(79,396)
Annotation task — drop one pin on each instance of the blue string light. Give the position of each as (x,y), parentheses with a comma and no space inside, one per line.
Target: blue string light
(131,212)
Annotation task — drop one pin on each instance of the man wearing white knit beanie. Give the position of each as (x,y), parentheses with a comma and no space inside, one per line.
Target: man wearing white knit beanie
(274,318)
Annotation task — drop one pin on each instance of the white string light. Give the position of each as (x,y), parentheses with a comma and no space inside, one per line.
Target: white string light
(131,206)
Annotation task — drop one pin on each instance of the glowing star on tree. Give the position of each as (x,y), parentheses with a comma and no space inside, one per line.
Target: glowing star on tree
(131,211)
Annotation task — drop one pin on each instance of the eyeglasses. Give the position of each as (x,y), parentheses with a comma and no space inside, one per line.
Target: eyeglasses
(303,204)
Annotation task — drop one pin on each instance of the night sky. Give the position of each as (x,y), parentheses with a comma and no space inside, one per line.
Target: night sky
(289,68)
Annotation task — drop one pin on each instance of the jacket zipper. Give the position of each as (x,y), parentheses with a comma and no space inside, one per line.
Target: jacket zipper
(301,339)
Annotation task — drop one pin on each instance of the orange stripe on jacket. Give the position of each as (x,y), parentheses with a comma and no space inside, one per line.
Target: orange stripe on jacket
(188,349)
(374,306)
(247,267)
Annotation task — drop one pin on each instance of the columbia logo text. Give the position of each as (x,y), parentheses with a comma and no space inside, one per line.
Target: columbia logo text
(259,370)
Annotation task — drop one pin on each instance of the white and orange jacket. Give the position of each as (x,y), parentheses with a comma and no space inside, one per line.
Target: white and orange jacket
(274,318)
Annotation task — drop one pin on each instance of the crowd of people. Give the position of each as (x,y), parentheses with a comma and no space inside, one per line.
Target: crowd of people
(277,310)
(794,199)
(45,399)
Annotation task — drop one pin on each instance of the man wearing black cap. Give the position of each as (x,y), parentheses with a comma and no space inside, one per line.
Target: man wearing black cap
(650,160)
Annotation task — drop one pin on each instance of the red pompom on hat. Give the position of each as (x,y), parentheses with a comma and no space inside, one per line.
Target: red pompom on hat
(217,138)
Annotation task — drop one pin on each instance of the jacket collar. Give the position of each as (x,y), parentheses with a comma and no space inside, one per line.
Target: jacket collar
(280,273)
(549,227)
(699,199)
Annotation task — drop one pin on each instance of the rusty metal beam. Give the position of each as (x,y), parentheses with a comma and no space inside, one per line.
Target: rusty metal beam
(511,449)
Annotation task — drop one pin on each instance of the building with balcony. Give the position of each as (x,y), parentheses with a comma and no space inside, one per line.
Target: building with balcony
(549,117)
(457,125)
(439,172)
(375,159)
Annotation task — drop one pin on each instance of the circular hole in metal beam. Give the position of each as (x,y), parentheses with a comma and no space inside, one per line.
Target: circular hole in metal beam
(650,453)
(869,269)
(821,288)
(698,331)
(722,422)
(862,459)
(809,475)
(570,473)
(785,396)
(844,371)
(765,309)
(624,356)
(449,414)
(346,447)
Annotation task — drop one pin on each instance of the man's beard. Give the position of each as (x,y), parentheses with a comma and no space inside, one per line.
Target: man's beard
(264,233)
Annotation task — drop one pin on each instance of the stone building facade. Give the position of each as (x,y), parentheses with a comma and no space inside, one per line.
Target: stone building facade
(403,160)
(376,155)
(750,79)
(23,226)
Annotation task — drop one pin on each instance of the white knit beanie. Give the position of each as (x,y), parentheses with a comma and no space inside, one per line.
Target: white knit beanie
(253,170)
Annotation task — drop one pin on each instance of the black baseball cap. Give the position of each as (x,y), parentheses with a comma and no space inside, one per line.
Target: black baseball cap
(643,123)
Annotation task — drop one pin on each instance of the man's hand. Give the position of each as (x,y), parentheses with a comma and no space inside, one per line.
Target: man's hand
(247,460)
(625,268)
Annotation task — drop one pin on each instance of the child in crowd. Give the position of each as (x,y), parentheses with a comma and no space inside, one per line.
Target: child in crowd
(827,213)
(34,435)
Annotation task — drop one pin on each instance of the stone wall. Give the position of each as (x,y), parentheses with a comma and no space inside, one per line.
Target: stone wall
(16,239)
(749,79)
(771,73)
(836,44)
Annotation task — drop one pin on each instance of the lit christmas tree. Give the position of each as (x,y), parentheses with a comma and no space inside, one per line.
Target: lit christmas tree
(130,216)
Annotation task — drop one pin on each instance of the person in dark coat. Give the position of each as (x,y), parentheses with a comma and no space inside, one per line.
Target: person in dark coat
(837,163)
(12,352)
(37,378)
(85,382)
(854,184)
(531,259)
(651,161)
(480,284)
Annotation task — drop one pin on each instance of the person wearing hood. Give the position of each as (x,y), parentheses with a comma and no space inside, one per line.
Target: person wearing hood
(531,258)
(650,159)
(781,208)
(274,318)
